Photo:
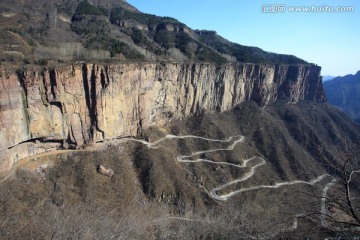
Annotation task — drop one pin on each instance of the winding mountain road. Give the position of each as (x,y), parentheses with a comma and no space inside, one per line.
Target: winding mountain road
(24,161)
(233,142)
(323,210)
(236,140)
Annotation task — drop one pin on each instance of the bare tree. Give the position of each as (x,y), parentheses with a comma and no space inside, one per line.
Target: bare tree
(340,198)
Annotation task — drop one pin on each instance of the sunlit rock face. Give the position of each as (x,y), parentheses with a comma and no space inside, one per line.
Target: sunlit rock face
(76,105)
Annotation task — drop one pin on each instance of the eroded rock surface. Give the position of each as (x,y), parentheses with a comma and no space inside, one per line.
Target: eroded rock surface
(77,105)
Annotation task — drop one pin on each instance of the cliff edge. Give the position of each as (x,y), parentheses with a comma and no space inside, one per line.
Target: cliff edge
(77,105)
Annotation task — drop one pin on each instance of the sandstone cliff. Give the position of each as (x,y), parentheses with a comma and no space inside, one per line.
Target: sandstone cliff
(71,106)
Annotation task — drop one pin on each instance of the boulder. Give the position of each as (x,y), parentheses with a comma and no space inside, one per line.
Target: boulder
(105,171)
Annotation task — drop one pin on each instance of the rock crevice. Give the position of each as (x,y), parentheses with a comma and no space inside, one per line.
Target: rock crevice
(82,104)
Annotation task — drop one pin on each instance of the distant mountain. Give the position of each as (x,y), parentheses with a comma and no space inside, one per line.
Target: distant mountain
(197,148)
(328,78)
(344,93)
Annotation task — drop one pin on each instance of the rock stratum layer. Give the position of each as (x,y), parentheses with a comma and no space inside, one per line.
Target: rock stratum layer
(72,106)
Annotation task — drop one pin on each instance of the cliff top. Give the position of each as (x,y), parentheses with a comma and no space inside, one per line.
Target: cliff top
(90,30)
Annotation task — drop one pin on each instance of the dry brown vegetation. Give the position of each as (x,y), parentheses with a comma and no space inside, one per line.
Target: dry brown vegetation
(153,196)
(69,51)
(113,27)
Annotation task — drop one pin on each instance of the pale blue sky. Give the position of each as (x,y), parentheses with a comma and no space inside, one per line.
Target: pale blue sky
(331,40)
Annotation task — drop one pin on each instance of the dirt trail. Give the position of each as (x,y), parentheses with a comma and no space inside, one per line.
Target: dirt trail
(237,140)
(25,161)
(188,159)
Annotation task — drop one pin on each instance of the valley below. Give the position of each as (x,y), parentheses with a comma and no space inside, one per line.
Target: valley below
(219,175)
(118,124)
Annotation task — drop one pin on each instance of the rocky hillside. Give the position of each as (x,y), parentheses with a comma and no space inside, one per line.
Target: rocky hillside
(202,138)
(68,104)
(64,31)
(344,93)
(77,105)
(153,195)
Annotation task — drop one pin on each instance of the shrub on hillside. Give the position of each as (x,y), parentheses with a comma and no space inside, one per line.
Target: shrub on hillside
(118,14)
(165,39)
(138,37)
(182,40)
(85,8)
(114,46)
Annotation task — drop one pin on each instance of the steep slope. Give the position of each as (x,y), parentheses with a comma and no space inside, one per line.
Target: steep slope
(67,31)
(155,197)
(207,139)
(344,93)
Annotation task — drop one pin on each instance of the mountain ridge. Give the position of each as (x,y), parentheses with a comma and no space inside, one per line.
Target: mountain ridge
(344,93)
(68,31)
(200,143)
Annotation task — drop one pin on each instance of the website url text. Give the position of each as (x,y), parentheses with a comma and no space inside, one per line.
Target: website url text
(282,8)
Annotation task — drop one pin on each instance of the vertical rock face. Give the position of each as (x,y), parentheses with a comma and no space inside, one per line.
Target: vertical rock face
(41,110)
